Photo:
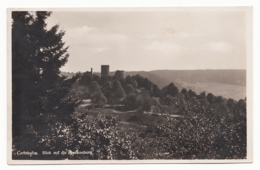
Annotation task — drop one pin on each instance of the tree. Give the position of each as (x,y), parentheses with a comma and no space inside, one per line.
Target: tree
(132,101)
(192,93)
(219,99)
(203,94)
(139,79)
(181,99)
(37,87)
(242,104)
(211,98)
(96,94)
(86,79)
(96,78)
(184,92)
(129,88)
(106,90)
(222,110)
(147,84)
(105,79)
(171,89)
(130,80)
(117,91)
(156,91)
(231,103)
(147,103)
(94,86)
(37,55)
(99,99)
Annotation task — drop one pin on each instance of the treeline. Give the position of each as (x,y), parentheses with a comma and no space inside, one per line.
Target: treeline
(111,90)
(163,77)
(139,93)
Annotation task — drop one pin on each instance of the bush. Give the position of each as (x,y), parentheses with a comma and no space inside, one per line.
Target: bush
(191,94)
(156,91)
(99,99)
(129,89)
(117,91)
(130,80)
(171,89)
(147,103)
(211,98)
(132,101)
(219,99)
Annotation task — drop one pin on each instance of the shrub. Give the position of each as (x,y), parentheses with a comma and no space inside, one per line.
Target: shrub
(211,98)
(129,89)
(171,89)
(132,101)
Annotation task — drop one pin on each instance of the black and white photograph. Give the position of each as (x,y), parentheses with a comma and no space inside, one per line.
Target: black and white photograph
(130,85)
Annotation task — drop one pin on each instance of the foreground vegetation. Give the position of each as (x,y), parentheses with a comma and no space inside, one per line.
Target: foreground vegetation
(172,125)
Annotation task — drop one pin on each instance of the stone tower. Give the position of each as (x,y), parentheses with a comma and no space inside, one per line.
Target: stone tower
(104,70)
(120,74)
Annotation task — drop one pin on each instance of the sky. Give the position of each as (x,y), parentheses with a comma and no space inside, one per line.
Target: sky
(144,39)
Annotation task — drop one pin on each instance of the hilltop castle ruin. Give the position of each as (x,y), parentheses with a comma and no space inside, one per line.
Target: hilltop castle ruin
(105,72)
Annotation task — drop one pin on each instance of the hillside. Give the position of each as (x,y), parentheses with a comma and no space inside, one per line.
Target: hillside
(124,119)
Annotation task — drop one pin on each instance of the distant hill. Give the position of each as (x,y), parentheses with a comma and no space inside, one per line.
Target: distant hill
(233,77)
(67,74)
(227,83)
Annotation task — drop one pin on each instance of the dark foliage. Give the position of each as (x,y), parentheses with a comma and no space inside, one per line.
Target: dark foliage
(37,87)
(184,91)
(133,101)
(156,92)
(129,89)
(86,79)
(171,89)
(130,80)
(211,98)
(96,94)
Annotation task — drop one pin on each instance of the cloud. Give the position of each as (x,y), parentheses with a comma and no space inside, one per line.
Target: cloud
(108,37)
(170,35)
(183,34)
(218,46)
(163,47)
(99,49)
(149,36)
(90,35)
(172,32)
(79,31)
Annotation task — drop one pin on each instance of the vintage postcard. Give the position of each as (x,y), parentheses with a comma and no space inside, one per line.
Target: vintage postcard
(130,85)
